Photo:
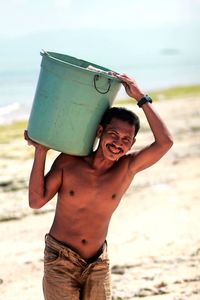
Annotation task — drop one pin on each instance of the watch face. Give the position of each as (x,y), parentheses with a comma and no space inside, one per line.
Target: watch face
(148,98)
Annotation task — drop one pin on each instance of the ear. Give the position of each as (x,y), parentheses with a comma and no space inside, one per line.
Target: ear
(99,131)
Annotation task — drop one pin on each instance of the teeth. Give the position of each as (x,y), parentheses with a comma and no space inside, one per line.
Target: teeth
(114,150)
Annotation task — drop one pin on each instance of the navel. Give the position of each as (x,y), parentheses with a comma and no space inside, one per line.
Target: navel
(113,196)
(71,193)
(83,241)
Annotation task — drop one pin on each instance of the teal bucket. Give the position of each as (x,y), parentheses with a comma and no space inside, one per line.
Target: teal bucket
(70,99)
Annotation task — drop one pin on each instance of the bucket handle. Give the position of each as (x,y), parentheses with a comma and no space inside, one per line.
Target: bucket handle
(96,77)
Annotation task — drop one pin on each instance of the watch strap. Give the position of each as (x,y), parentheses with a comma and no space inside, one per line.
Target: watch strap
(144,100)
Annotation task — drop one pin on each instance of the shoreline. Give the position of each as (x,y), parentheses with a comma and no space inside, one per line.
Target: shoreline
(17,112)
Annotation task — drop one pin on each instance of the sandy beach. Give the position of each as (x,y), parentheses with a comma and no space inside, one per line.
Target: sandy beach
(154,240)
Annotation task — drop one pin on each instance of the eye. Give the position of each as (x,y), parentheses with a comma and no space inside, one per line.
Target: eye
(112,134)
(127,140)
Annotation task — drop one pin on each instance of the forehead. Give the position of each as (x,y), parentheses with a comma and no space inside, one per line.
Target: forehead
(121,127)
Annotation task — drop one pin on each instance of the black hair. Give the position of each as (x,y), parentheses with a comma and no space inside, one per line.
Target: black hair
(122,114)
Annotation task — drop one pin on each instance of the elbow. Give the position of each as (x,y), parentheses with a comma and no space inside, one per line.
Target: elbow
(34,203)
(168,143)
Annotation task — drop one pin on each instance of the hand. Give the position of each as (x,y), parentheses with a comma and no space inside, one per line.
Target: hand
(32,143)
(131,87)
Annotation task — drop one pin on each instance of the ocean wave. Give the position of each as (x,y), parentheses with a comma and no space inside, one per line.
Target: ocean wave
(12,112)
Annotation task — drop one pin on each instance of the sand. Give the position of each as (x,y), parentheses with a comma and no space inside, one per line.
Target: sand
(154,240)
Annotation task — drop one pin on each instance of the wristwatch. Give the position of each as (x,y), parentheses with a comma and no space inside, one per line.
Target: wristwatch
(144,100)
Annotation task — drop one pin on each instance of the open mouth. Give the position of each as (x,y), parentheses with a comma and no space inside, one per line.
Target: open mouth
(114,150)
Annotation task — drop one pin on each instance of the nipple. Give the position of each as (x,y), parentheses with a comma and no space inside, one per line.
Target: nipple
(71,192)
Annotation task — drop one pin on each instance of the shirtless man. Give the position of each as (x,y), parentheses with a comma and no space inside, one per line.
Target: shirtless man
(89,189)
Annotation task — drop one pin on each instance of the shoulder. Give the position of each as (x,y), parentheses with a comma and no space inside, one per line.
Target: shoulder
(62,160)
(124,161)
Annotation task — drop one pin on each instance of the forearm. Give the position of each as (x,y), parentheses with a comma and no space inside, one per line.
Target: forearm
(150,154)
(37,179)
(159,129)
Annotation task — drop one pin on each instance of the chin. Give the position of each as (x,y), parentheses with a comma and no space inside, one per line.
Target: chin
(112,157)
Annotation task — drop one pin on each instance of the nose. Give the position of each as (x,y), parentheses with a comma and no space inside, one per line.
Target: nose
(118,142)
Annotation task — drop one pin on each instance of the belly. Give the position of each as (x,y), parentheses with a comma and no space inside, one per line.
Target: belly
(83,231)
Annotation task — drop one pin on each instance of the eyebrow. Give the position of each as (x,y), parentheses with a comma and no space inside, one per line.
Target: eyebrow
(126,136)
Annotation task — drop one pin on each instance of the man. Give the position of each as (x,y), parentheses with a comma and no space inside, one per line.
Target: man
(89,189)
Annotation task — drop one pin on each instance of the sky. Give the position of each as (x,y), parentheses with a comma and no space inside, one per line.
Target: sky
(23,17)
(155,40)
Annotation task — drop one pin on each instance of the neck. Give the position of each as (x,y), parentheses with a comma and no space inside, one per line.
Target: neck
(98,162)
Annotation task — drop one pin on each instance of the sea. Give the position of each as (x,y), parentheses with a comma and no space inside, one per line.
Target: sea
(157,59)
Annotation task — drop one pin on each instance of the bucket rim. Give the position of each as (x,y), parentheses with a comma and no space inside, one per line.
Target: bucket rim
(49,54)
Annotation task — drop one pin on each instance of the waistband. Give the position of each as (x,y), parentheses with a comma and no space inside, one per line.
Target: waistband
(68,251)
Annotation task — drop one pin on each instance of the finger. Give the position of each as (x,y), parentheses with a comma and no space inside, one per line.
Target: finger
(112,73)
(125,84)
(26,137)
(25,134)
(125,78)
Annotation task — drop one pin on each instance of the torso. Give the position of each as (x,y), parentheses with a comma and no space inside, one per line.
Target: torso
(86,202)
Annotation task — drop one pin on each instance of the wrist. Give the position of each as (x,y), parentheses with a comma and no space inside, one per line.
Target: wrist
(143,100)
(41,149)
(139,96)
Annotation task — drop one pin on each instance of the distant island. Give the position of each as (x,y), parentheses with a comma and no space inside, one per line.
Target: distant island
(170,51)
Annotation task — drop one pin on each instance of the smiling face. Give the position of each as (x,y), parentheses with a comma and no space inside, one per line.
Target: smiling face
(116,139)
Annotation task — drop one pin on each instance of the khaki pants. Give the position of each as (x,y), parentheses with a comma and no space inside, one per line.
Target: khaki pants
(67,276)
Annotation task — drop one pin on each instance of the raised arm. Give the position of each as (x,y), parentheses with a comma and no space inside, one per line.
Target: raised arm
(42,188)
(162,138)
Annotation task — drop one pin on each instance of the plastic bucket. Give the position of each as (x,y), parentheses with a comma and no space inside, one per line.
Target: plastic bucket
(69,102)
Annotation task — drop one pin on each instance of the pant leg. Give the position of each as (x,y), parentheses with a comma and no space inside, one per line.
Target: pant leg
(97,285)
(60,276)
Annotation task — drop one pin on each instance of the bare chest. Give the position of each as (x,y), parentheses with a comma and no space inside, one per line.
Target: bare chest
(82,189)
